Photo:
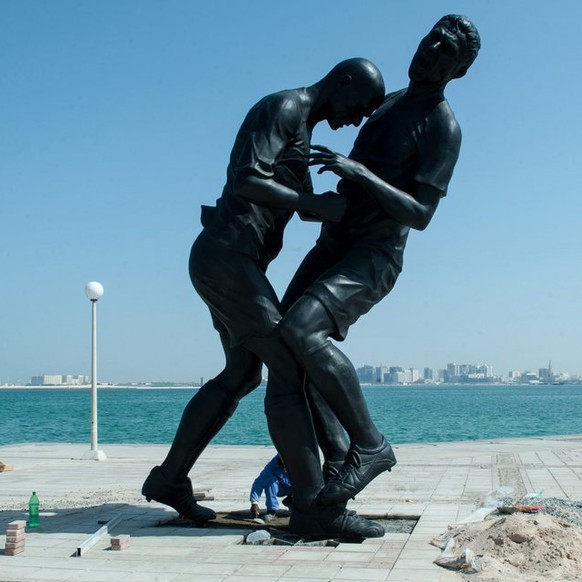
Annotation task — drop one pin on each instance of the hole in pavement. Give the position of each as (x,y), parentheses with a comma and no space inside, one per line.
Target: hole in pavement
(275,531)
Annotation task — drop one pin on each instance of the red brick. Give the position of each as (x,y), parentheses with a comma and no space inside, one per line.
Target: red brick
(14,552)
(15,537)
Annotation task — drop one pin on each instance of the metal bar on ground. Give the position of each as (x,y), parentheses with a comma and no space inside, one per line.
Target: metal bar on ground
(84,547)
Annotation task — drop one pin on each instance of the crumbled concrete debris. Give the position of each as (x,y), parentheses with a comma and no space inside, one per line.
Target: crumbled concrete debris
(563,509)
(528,547)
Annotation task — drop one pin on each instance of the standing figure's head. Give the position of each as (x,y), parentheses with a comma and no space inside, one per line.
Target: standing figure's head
(446,52)
(349,92)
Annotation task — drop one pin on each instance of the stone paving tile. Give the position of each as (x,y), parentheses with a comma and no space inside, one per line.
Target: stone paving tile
(18,573)
(57,573)
(400,576)
(231,559)
(147,565)
(419,544)
(156,577)
(205,569)
(429,553)
(49,562)
(430,520)
(339,556)
(388,539)
(130,554)
(189,578)
(444,482)
(360,574)
(98,576)
(300,555)
(429,532)
(237,578)
(415,565)
(363,548)
(320,572)
(262,570)
(420,576)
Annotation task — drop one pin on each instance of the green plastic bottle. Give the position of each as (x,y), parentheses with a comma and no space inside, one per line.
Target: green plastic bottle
(33,511)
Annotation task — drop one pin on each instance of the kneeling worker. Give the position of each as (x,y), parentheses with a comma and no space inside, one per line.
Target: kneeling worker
(274,481)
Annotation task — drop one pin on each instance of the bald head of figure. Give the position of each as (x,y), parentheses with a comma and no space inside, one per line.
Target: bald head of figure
(349,92)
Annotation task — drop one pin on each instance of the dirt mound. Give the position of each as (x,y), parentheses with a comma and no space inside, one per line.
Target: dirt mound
(515,547)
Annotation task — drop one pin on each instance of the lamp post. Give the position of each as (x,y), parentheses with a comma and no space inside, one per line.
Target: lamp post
(94,292)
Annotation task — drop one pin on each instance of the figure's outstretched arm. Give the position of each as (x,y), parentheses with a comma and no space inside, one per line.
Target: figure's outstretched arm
(268,192)
(414,211)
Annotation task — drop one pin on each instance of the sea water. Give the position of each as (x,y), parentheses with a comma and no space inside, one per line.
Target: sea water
(405,414)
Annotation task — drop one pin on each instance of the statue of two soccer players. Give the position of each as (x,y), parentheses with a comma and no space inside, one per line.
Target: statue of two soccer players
(393,179)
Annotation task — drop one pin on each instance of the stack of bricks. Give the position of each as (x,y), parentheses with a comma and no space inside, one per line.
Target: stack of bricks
(15,536)
(119,543)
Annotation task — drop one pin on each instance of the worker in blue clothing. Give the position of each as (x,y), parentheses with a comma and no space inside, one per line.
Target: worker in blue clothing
(274,481)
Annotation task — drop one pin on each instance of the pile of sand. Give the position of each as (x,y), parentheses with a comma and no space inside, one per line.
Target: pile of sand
(519,546)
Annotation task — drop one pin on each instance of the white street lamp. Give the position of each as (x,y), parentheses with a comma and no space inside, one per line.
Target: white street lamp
(94,292)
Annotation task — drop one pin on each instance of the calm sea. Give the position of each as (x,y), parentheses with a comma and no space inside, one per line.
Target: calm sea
(405,414)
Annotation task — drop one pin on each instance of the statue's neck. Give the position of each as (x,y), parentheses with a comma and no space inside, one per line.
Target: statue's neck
(418,91)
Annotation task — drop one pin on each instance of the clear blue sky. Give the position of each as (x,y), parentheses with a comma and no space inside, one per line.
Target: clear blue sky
(117,120)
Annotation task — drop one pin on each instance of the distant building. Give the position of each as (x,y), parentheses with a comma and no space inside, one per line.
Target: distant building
(415,375)
(400,377)
(452,373)
(545,374)
(468,373)
(514,376)
(58,380)
(487,371)
(366,374)
(70,380)
(530,378)
(47,380)
(395,375)
(381,372)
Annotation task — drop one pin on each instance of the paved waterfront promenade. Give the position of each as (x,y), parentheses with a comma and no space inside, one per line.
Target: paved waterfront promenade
(439,483)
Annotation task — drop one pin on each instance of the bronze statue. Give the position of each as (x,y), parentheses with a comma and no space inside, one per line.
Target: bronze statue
(267,180)
(392,181)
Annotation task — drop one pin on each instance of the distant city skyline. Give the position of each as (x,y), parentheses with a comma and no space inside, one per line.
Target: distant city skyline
(81,378)
(461,373)
(367,373)
(118,122)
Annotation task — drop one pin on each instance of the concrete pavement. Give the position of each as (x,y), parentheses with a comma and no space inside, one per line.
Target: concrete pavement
(439,483)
